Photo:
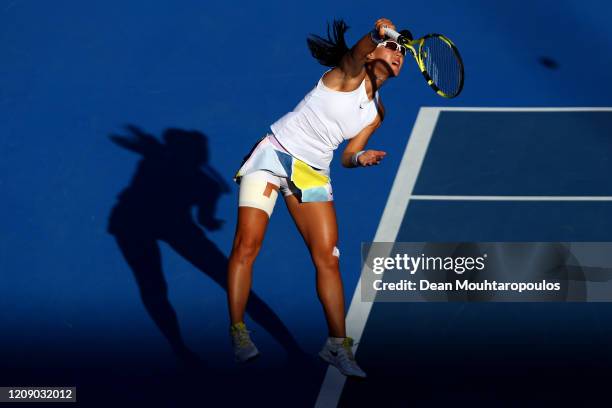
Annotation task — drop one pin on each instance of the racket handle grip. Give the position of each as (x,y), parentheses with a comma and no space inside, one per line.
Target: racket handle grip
(404,38)
(394,35)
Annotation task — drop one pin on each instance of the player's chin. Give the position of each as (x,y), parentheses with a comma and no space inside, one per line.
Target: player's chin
(395,70)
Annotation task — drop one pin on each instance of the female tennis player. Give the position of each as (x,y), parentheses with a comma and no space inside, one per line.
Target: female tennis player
(294,159)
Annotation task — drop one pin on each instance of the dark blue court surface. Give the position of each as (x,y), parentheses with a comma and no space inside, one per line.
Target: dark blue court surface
(122,124)
(519,153)
(497,354)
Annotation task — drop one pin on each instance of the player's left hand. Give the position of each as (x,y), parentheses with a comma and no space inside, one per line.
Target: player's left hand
(371,157)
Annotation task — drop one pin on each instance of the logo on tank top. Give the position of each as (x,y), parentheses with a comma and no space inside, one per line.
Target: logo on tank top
(364,104)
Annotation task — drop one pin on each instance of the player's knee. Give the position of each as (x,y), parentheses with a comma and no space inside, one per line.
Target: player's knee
(245,249)
(326,259)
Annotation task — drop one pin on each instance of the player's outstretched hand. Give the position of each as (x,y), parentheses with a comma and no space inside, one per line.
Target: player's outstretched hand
(371,157)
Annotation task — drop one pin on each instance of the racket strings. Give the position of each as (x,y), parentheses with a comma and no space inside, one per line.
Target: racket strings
(442,65)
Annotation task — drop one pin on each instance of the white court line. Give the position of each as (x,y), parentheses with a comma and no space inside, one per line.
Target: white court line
(398,200)
(509,198)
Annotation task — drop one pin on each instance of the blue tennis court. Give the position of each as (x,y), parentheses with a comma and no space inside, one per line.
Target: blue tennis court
(112,256)
(483,175)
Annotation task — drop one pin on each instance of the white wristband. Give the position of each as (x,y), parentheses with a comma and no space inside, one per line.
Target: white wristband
(355,158)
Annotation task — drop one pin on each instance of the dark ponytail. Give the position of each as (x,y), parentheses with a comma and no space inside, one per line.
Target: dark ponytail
(329,51)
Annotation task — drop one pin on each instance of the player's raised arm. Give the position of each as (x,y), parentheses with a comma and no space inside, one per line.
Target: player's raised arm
(353,62)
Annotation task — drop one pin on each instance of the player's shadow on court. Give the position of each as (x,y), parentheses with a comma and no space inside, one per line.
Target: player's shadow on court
(172,178)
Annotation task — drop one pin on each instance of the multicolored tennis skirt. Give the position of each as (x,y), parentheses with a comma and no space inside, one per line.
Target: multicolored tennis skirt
(306,182)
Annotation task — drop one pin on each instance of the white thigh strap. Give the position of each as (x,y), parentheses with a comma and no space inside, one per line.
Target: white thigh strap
(257,190)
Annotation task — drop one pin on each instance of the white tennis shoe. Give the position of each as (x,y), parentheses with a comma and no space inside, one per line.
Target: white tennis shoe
(244,349)
(341,356)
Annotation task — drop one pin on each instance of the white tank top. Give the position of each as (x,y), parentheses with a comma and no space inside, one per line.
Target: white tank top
(322,120)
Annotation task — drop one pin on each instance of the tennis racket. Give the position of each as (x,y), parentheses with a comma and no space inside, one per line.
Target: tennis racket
(438,59)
